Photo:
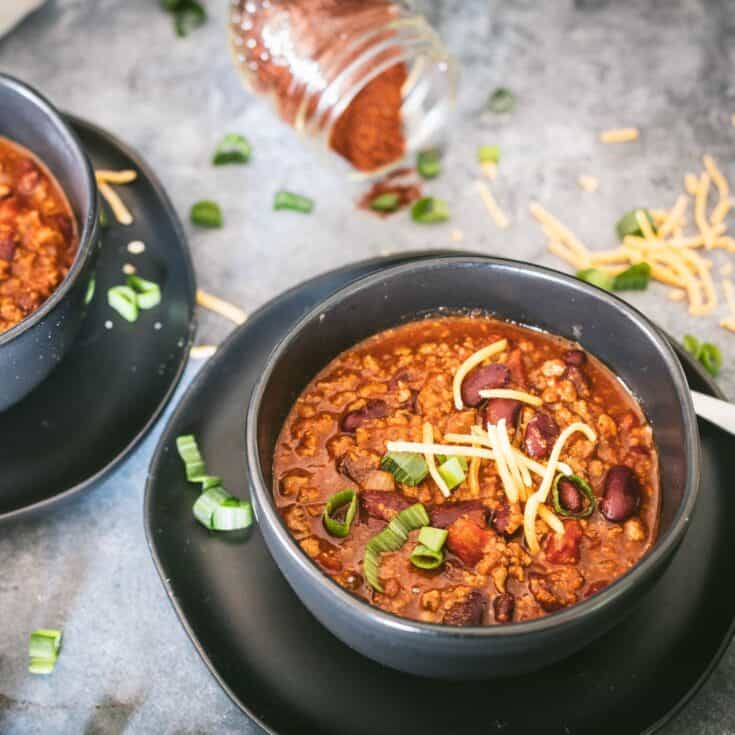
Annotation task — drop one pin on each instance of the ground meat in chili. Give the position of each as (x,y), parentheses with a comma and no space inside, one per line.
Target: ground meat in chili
(384,389)
(38,234)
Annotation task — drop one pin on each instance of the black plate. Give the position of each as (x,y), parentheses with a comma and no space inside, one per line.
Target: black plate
(99,403)
(292,676)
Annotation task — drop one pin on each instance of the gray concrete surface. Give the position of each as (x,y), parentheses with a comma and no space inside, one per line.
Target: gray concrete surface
(665,66)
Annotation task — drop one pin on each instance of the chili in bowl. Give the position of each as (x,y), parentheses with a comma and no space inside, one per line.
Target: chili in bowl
(472,467)
(48,238)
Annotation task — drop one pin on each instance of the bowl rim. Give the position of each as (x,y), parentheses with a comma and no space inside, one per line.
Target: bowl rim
(88,230)
(643,569)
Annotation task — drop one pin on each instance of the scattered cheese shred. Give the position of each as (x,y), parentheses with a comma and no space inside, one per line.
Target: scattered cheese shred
(619,135)
(517,395)
(551,520)
(432,448)
(588,183)
(474,476)
(471,362)
(121,212)
(501,220)
(457,235)
(428,436)
(126,176)
(677,294)
(726,269)
(563,234)
(539,497)
(509,486)
(221,307)
(202,352)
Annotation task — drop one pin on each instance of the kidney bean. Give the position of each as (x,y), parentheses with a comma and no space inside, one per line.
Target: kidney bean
(506,522)
(570,496)
(484,377)
(7,245)
(467,612)
(503,607)
(578,380)
(442,516)
(382,504)
(575,358)
(375,408)
(622,494)
(502,408)
(541,432)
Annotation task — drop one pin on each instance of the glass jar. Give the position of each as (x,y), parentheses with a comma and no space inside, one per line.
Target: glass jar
(368,80)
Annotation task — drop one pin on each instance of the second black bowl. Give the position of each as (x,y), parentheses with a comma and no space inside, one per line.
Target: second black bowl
(606,326)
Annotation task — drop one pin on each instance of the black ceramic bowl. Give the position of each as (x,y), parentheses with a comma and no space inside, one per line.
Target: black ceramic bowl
(30,350)
(529,295)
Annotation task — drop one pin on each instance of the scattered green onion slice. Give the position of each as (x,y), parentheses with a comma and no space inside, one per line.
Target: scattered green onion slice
(433,538)
(217,510)
(488,154)
(234,148)
(635,278)
(337,501)
(148,292)
(188,15)
(501,101)
(387,202)
(89,293)
(408,468)
(188,450)
(442,458)
(206,213)
(413,517)
(429,210)
(425,558)
(209,481)
(452,472)
(628,224)
(691,345)
(124,301)
(706,353)
(294,202)
(583,487)
(103,218)
(428,163)
(43,648)
(596,277)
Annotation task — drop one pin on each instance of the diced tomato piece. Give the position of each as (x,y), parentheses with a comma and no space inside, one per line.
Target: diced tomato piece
(467,540)
(564,549)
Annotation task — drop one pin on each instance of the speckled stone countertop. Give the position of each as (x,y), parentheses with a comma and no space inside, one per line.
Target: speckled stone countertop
(576,67)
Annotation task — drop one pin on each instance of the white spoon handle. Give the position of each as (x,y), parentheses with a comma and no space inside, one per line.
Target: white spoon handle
(720,413)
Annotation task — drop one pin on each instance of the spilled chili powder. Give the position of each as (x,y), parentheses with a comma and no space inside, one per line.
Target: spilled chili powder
(407,191)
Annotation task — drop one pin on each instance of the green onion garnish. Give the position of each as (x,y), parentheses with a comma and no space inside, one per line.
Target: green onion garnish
(433,538)
(206,213)
(442,458)
(148,293)
(188,15)
(429,210)
(387,202)
(209,481)
(103,219)
(339,500)
(408,468)
(234,148)
(706,353)
(89,293)
(635,278)
(488,154)
(452,472)
(294,202)
(628,224)
(428,163)
(425,558)
(596,277)
(501,101)
(43,648)
(583,487)
(217,510)
(188,450)
(124,301)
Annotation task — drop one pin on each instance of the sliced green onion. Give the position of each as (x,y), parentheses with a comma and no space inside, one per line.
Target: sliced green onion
(103,218)
(583,487)
(628,224)
(691,345)
(413,517)
(209,481)
(442,458)
(337,501)
(294,202)
(425,558)
(188,16)
(452,472)
(206,213)
(124,301)
(371,567)
(711,357)
(428,163)
(635,278)
(596,277)
(217,510)
(188,450)
(43,648)
(429,210)
(501,101)
(488,154)
(387,202)
(89,293)
(408,468)
(433,538)
(148,292)
(234,148)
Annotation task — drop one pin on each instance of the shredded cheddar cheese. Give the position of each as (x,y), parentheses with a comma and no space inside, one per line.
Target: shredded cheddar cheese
(202,352)
(428,436)
(551,520)
(509,486)
(126,176)
(517,395)
(619,135)
(121,212)
(500,218)
(221,307)
(588,183)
